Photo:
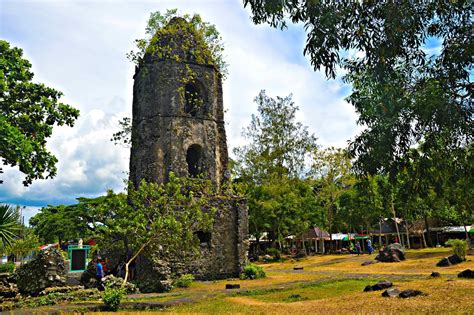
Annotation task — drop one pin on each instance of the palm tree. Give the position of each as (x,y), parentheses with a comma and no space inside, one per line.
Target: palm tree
(8,224)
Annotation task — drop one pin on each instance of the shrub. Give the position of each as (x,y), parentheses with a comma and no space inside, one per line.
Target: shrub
(459,247)
(7,267)
(112,298)
(184,281)
(252,271)
(275,253)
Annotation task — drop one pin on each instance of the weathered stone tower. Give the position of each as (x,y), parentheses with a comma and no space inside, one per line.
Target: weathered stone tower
(178,118)
(178,125)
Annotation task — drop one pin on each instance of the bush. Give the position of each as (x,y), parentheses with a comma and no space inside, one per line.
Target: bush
(459,247)
(252,271)
(275,253)
(112,298)
(184,281)
(7,267)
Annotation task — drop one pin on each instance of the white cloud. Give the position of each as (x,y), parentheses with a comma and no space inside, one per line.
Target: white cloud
(80,47)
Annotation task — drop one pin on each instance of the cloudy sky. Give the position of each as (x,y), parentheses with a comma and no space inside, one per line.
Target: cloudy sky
(79,48)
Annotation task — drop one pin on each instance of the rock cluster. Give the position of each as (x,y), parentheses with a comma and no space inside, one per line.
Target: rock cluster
(8,288)
(449,261)
(391,253)
(47,269)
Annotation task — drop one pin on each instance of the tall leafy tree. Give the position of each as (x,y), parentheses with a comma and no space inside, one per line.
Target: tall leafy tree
(271,166)
(403,96)
(28,112)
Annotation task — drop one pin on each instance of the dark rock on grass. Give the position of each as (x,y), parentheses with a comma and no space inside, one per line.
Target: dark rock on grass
(409,293)
(449,261)
(391,293)
(468,273)
(231,286)
(378,286)
(435,274)
(391,253)
(369,262)
(298,268)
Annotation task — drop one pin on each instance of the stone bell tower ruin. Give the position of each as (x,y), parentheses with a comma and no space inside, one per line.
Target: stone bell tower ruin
(178,126)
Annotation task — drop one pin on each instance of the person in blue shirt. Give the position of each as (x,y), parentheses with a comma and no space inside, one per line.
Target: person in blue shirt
(369,246)
(99,272)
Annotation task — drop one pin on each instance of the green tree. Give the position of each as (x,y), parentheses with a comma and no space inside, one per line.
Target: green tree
(9,225)
(58,223)
(28,112)
(331,170)
(269,169)
(403,96)
(21,247)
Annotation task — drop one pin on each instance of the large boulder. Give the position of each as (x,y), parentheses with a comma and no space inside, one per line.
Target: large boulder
(46,270)
(391,293)
(391,253)
(449,261)
(468,273)
(88,279)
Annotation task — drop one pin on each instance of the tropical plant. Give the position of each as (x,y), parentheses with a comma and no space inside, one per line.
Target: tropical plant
(252,271)
(459,247)
(9,224)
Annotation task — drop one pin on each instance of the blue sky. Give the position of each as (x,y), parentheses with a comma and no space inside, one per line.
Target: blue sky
(79,47)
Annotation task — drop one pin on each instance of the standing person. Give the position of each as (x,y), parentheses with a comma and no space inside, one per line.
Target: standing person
(358,248)
(99,273)
(369,247)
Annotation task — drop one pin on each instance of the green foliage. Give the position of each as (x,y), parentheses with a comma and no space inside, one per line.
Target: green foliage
(28,112)
(112,298)
(8,224)
(7,267)
(184,281)
(21,247)
(269,168)
(405,97)
(252,271)
(59,223)
(205,44)
(274,252)
(459,247)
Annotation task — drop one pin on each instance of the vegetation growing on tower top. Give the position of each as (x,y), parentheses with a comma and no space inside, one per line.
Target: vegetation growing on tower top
(179,37)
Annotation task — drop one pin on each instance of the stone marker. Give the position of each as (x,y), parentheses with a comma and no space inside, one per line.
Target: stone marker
(391,293)
(298,268)
(231,286)
(435,274)
(468,273)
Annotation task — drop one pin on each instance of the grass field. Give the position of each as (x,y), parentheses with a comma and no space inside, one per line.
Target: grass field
(329,284)
(333,284)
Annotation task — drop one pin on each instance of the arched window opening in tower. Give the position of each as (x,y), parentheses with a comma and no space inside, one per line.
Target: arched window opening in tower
(194,98)
(194,160)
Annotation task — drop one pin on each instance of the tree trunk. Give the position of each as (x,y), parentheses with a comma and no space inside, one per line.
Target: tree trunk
(468,239)
(424,239)
(428,234)
(395,219)
(133,258)
(408,234)
(380,233)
